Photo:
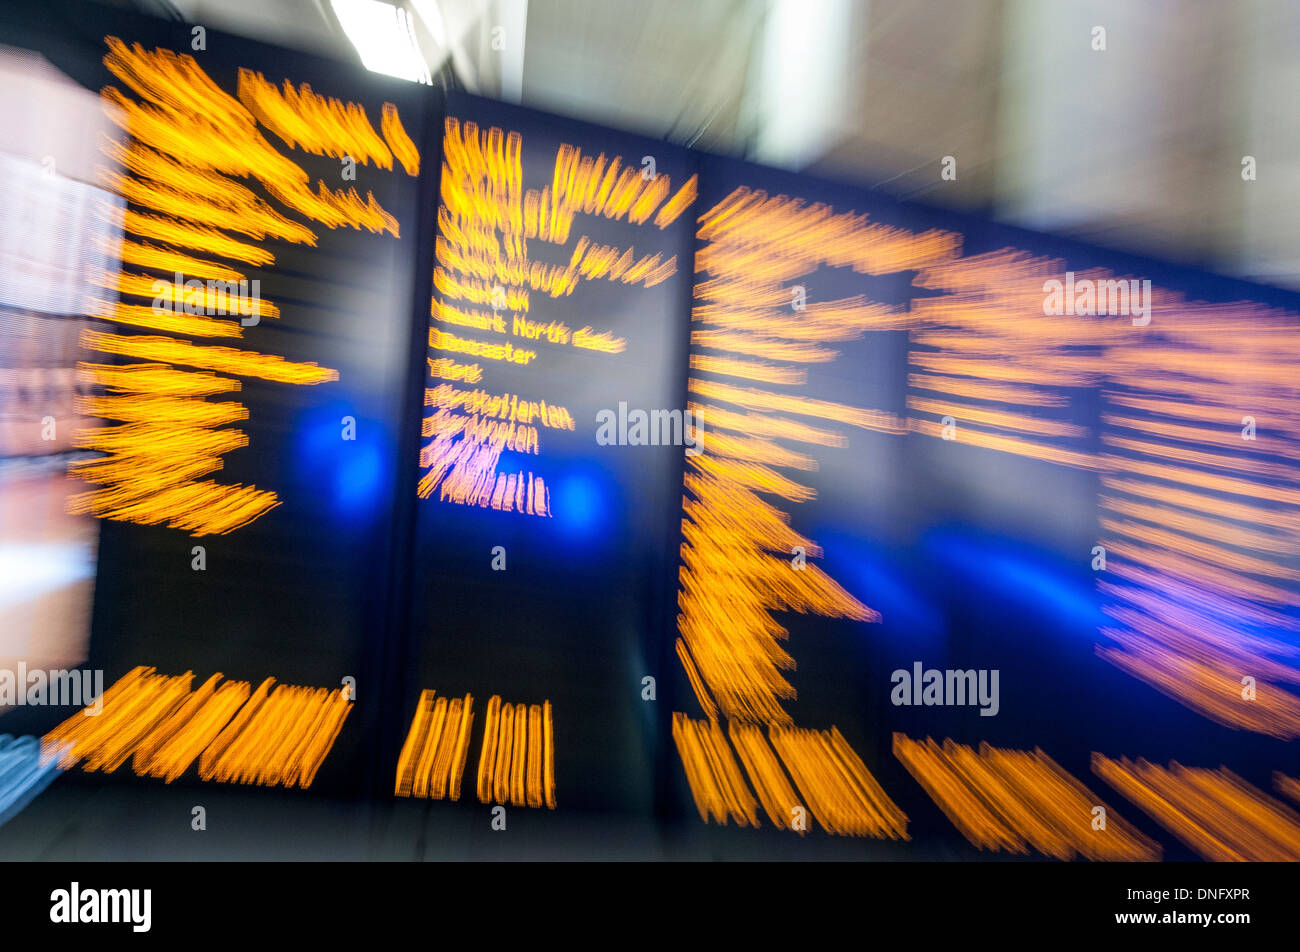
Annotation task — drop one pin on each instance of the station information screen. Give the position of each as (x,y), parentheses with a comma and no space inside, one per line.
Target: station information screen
(549,467)
(241,385)
(552,435)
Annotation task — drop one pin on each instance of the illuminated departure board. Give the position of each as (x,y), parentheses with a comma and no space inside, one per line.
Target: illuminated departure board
(963,482)
(244,380)
(555,343)
(445,451)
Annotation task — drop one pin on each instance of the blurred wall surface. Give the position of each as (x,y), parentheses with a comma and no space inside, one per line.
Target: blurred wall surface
(57,235)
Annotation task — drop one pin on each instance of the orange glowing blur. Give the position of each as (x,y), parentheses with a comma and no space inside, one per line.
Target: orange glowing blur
(486,218)
(517,760)
(1201,511)
(714,776)
(1215,813)
(432,762)
(1017,800)
(190,142)
(738,567)
(270,737)
(833,784)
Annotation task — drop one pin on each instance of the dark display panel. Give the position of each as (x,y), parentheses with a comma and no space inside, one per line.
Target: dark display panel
(251,434)
(546,531)
(718,490)
(1013,457)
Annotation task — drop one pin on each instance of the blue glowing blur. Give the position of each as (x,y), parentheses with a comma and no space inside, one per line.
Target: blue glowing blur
(23,775)
(581,501)
(877,579)
(1026,576)
(351,477)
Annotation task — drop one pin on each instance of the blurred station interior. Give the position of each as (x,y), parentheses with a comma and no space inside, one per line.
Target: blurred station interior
(1166,145)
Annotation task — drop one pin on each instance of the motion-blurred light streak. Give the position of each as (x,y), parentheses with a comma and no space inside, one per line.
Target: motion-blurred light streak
(24,773)
(833,784)
(769,781)
(986,337)
(274,736)
(1290,786)
(714,777)
(484,277)
(1217,814)
(190,142)
(316,124)
(432,761)
(1017,800)
(1202,512)
(735,570)
(1198,459)
(517,759)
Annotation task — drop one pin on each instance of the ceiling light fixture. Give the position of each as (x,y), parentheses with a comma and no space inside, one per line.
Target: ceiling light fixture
(384,36)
